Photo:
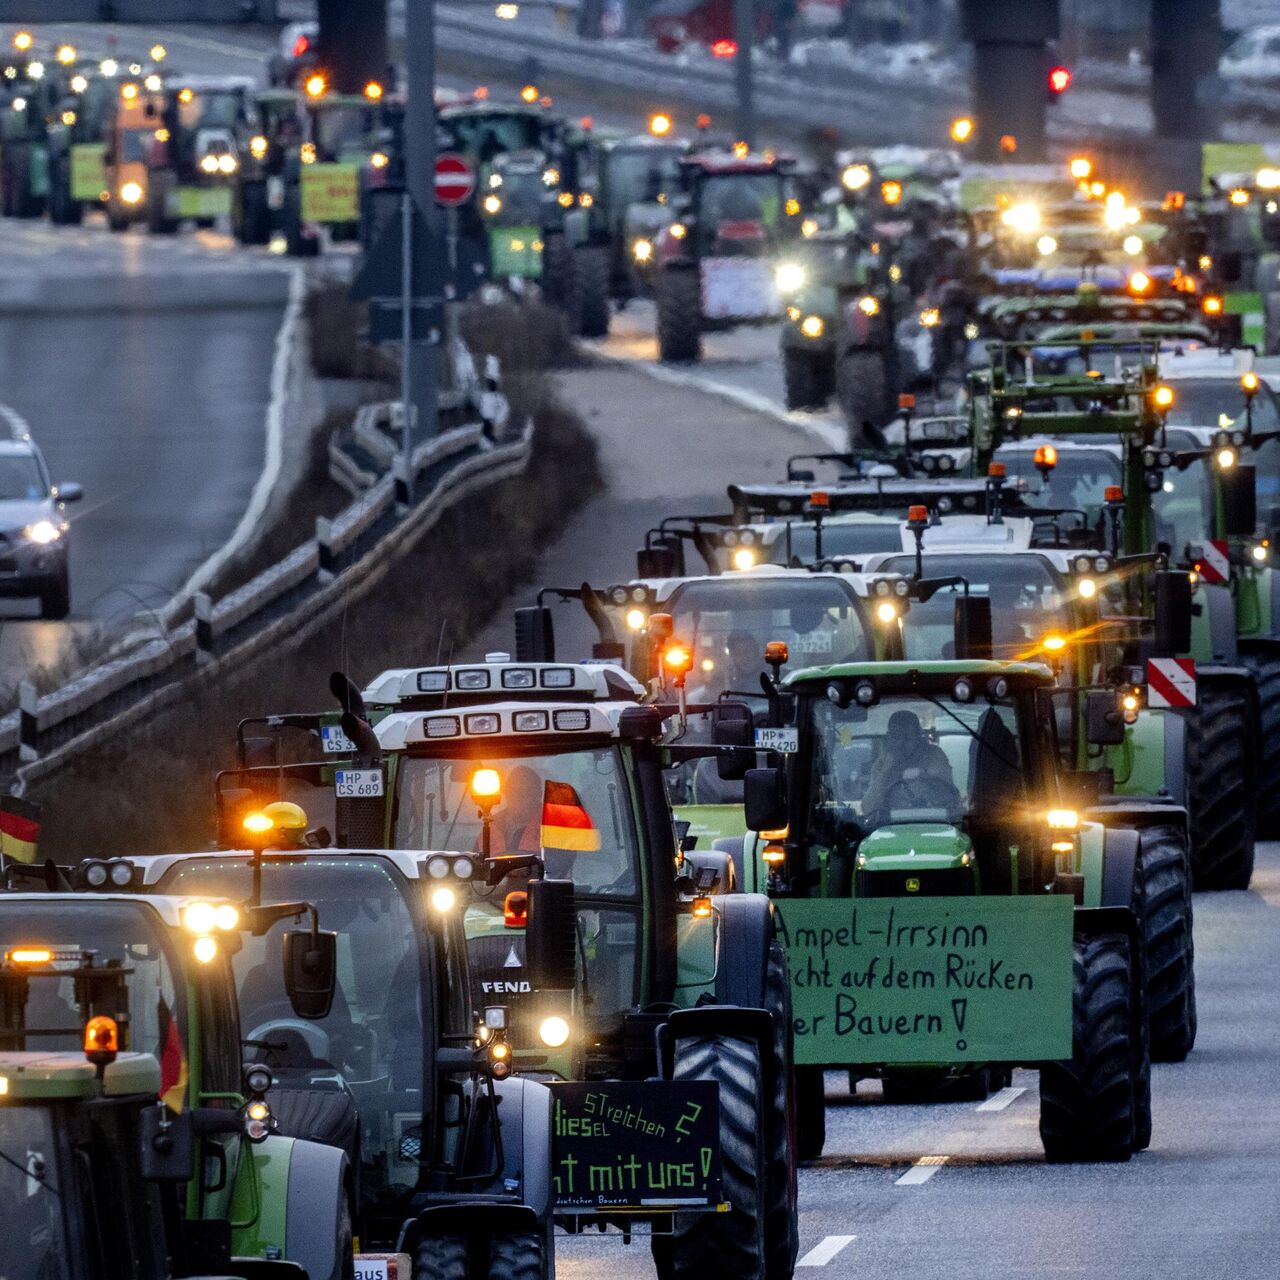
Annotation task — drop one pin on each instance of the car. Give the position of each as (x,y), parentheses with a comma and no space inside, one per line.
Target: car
(34,529)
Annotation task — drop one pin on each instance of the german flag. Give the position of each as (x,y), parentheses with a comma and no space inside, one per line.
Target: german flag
(19,828)
(565,822)
(173,1061)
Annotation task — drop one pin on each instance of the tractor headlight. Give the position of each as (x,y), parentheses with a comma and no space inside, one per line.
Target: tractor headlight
(554,1032)
(209,164)
(789,277)
(642,250)
(812,326)
(227,163)
(131,193)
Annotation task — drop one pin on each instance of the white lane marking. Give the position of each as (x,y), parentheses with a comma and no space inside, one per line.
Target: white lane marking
(998,1101)
(265,486)
(921,1171)
(827,434)
(823,1253)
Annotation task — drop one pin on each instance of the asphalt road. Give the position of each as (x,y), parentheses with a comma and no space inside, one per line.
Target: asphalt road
(142,368)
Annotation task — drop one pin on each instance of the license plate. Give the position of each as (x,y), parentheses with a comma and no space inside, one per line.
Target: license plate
(359,784)
(334,741)
(785,740)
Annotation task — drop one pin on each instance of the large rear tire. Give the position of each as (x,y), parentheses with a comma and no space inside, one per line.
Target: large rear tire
(1089,1103)
(808,378)
(587,301)
(862,388)
(731,1243)
(678,294)
(1221,787)
(1164,867)
(1265,665)
(557,262)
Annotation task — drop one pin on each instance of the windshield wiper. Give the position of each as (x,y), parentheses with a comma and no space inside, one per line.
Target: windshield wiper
(26,1173)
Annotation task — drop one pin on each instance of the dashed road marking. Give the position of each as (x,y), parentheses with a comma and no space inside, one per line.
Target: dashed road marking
(823,1253)
(921,1171)
(998,1101)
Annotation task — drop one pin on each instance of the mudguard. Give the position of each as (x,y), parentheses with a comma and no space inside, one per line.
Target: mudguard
(746,931)
(319,1184)
(720,861)
(1119,869)
(519,1196)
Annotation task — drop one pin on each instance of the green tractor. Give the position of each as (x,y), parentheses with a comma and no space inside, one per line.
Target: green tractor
(27,103)
(83,1188)
(161,970)
(515,189)
(714,262)
(552,773)
(608,198)
(77,136)
(947,913)
(451,1160)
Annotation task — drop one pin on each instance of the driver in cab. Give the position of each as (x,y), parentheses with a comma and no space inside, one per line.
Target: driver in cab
(906,754)
(517,825)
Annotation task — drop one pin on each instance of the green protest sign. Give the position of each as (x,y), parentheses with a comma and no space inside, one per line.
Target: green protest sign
(930,979)
(88,171)
(635,1144)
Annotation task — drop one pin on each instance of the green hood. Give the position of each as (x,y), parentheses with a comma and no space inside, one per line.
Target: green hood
(914,846)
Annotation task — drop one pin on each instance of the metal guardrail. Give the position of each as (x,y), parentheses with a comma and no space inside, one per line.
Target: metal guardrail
(347,555)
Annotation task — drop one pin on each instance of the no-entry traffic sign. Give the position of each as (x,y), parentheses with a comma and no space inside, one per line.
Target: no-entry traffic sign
(455,179)
(1171,682)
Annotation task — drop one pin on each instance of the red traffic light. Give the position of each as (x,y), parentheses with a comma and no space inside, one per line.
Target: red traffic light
(1059,79)
(724,49)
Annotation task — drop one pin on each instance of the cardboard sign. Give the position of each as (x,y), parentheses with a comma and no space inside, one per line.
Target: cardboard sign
(515,251)
(739,289)
(199,202)
(88,171)
(1171,682)
(330,193)
(929,980)
(635,1145)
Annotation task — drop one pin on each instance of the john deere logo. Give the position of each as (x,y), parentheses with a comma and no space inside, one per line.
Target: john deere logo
(913,884)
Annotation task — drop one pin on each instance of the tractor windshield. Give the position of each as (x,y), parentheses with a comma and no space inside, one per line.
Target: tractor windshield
(35,1196)
(843,538)
(1028,602)
(729,198)
(910,759)
(1219,403)
(43,999)
(729,620)
(521,191)
(491,133)
(343,128)
(372,1037)
(573,807)
(640,176)
(1078,482)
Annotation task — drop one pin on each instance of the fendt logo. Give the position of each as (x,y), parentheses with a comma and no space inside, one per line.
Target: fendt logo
(505,988)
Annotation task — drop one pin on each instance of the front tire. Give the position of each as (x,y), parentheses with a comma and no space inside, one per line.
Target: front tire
(1164,867)
(862,388)
(807,378)
(440,1258)
(781,1221)
(732,1243)
(517,1256)
(678,294)
(587,296)
(1089,1103)
(1221,788)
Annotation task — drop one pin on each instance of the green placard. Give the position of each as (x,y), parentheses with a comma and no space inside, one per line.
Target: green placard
(200,202)
(88,172)
(938,980)
(1244,158)
(515,251)
(713,821)
(330,193)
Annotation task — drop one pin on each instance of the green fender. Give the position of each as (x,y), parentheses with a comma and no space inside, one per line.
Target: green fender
(1138,763)
(288,1202)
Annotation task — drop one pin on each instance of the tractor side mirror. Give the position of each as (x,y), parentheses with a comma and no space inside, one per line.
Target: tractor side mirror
(1104,721)
(551,936)
(1172,614)
(535,634)
(311,971)
(164,1145)
(973,628)
(764,798)
(1239,503)
(732,726)
(662,558)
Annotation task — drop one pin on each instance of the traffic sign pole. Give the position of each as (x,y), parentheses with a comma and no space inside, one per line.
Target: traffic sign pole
(408,410)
